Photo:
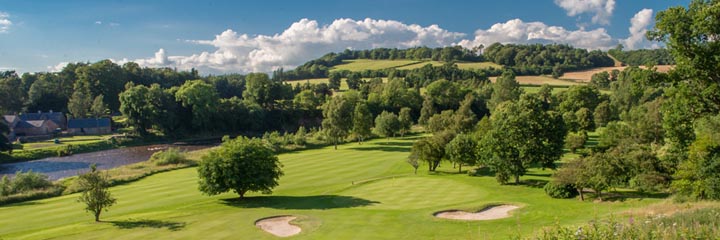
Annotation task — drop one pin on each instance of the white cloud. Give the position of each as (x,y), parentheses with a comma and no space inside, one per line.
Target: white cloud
(517,31)
(638,27)
(303,40)
(602,10)
(57,68)
(5,22)
(98,22)
(306,39)
(113,24)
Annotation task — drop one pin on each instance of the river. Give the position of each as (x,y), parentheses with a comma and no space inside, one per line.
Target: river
(61,167)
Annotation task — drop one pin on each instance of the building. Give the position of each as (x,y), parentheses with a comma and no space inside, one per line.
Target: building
(35,128)
(57,117)
(89,126)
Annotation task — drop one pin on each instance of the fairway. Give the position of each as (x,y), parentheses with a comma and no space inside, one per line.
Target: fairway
(356,192)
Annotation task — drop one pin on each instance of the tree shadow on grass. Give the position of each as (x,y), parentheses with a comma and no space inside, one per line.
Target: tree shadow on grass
(396,144)
(534,183)
(622,196)
(320,202)
(144,223)
(382,148)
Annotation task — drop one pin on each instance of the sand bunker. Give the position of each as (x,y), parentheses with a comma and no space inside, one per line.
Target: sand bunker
(489,213)
(279,226)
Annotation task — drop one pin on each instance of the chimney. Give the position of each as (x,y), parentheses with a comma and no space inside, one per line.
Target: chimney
(51,111)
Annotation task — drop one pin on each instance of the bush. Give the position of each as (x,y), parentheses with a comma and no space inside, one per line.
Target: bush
(167,157)
(556,190)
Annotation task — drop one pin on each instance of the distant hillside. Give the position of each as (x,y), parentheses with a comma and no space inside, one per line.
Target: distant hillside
(534,59)
(643,57)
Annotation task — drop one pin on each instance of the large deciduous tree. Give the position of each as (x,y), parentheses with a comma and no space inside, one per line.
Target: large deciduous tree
(240,165)
(5,142)
(337,118)
(202,99)
(461,151)
(387,124)
(505,88)
(362,122)
(522,134)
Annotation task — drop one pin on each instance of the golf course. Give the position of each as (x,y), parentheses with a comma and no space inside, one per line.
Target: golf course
(363,191)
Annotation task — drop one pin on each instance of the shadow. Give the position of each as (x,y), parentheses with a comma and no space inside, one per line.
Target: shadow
(319,202)
(384,149)
(482,172)
(622,196)
(534,183)
(18,204)
(132,224)
(539,174)
(398,144)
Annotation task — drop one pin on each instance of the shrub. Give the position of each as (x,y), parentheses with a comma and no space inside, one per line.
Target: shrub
(167,157)
(557,190)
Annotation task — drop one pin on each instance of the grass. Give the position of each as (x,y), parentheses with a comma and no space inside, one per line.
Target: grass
(370,64)
(387,202)
(64,141)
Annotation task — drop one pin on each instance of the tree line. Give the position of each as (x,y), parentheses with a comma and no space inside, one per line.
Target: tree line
(642,57)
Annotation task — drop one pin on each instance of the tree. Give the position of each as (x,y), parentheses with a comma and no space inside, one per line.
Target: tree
(505,88)
(427,111)
(12,95)
(413,160)
(99,108)
(353,81)
(300,138)
(445,94)
(428,150)
(465,118)
(334,81)
(5,142)
(362,122)
(80,102)
(202,99)
(602,114)
(240,165)
(95,192)
(574,141)
(691,37)
(406,121)
(601,80)
(461,151)
(387,124)
(147,107)
(585,119)
(337,118)
(699,175)
(522,134)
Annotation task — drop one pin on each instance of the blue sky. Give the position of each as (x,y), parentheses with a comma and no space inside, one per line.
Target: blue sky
(41,35)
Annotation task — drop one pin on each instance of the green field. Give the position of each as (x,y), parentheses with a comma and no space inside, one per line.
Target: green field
(386,202)
(74,140)
(370,64)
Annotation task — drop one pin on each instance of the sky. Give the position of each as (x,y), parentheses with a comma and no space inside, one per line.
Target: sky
(219,37)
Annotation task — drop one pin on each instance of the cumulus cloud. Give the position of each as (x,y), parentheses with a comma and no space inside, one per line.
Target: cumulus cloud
(517,31)
(303,40)
(638,27)
(5,22)
(602,10)
(98,22)
(57,68)
(306,39)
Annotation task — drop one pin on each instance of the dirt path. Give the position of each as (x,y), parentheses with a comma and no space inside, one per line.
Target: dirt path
(279,226)
(491,213)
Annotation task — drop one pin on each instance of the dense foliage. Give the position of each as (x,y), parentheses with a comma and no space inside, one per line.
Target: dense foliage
(642,57)
(536,59)
(240,165)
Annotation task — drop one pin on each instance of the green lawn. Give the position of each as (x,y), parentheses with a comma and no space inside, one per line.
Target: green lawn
(387,202)
(74,140)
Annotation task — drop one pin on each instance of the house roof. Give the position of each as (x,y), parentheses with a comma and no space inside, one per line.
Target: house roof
(55,116)
(30,124)
(10,118)
(88,122)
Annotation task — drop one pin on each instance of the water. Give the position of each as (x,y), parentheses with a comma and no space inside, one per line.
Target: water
(61,167)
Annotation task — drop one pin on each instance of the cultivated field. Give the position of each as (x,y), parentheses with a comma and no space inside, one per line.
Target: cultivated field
(356,192)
